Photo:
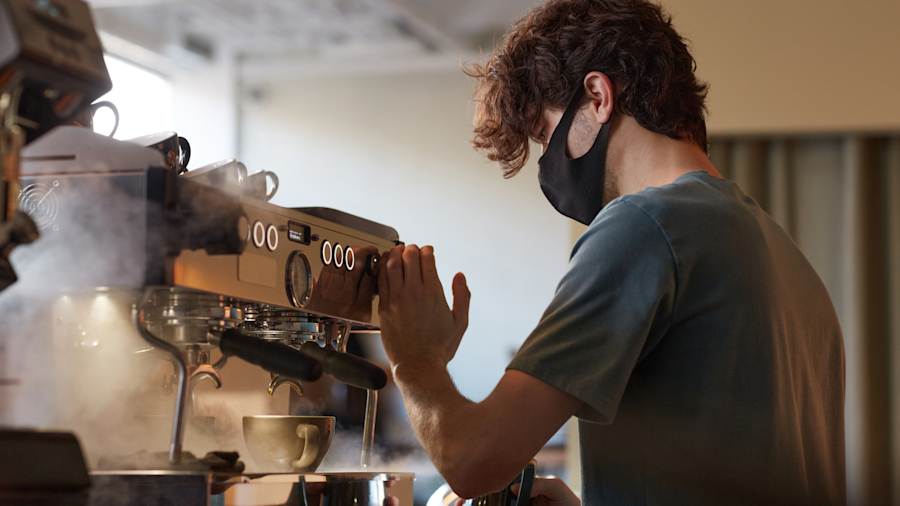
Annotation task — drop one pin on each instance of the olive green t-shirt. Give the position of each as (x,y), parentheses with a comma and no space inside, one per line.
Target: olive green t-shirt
(706,350)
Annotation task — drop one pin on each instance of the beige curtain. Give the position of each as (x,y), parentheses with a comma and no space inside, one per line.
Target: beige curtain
(839,198)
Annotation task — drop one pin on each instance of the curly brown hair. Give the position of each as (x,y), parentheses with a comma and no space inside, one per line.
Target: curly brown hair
(554,46)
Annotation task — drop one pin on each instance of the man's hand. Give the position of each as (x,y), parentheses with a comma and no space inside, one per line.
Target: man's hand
(549,492)
(477,447)
(544,492)
(342,293)
(417,325)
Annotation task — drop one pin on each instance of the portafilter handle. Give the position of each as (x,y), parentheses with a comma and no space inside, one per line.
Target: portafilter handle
(272,356)
(347,368)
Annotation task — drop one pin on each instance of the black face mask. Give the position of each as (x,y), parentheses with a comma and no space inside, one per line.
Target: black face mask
(574,187)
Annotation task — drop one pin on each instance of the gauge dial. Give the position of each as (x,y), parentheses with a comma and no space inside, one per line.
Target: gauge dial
(298,279)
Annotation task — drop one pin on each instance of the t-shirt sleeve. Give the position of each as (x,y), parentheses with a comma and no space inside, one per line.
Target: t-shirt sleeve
(611,307)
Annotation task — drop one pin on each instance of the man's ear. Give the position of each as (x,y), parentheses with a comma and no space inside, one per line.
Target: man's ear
(599,89)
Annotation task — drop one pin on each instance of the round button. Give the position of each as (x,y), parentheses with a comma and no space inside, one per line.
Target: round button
(350,259)
(327,253)
(272,238)
(243,228)
(338,256)
(372,265)
(259,234)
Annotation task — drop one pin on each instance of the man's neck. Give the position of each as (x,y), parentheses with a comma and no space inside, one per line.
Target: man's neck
(643,159)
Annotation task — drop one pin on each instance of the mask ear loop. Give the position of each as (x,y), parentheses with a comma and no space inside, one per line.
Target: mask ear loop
(565,123)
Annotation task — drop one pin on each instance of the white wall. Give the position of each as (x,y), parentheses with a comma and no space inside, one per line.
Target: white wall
(395,149)
(204,111)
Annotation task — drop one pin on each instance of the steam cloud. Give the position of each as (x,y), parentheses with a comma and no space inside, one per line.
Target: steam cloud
(79,364)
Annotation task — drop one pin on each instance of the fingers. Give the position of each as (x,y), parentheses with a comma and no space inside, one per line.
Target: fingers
(429,269)
(412,269)
(366,289)
(359,255)
(394,268)
(384,285)
(461,298)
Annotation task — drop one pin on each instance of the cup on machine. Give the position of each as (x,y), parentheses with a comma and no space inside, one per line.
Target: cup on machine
(288,443)
(256,185)
(175,149)
(86,117)
(231,176)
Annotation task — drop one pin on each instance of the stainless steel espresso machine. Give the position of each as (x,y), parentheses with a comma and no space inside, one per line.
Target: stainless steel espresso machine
(139,267)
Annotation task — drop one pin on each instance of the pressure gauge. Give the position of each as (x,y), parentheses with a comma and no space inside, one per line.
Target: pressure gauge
(298,279)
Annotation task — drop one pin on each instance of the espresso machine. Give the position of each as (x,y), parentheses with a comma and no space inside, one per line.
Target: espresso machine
(204,267)
(142,266)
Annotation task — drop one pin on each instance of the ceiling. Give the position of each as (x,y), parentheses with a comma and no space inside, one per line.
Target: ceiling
(176,36)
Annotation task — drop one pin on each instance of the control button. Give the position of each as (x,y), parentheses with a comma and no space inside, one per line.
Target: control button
(327,253)
(259,234)
(272,238)
(243,226)
(372,265)
(338,256)
(350,260)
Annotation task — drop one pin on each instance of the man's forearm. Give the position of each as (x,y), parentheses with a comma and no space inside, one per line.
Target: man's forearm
(453,430)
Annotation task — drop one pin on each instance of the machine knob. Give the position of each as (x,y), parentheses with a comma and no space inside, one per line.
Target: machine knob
(244,228)
(327,253)
(350,259)
(372,265)
(272,238)
(338,256)
(259,234)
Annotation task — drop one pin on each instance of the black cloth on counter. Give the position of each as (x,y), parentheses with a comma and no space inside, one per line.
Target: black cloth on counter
(221,462)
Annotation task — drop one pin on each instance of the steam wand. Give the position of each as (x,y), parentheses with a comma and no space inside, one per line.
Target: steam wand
(137,314)
(365,458)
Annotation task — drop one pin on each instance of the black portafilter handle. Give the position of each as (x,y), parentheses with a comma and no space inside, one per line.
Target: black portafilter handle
(272,356)
(347,368)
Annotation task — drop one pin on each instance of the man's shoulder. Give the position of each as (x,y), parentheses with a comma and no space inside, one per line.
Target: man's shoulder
(693,190)
(693,202)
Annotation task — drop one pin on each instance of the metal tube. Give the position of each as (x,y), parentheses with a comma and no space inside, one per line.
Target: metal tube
(371,403)
(369,428)
(343,337)
(181,367)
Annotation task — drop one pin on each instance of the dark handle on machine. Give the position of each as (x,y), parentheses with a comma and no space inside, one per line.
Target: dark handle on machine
(271,356)
(347,368)
(527,480)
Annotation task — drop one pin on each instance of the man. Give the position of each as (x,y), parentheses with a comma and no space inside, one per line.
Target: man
(692,339)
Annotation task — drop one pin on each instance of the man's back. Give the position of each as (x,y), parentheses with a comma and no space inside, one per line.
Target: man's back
(706,338)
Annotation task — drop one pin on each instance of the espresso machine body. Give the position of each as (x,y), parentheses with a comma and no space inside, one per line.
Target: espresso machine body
(112,201)
(188,268)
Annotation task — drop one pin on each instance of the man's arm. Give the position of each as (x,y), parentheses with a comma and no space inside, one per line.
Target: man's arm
(477,447)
